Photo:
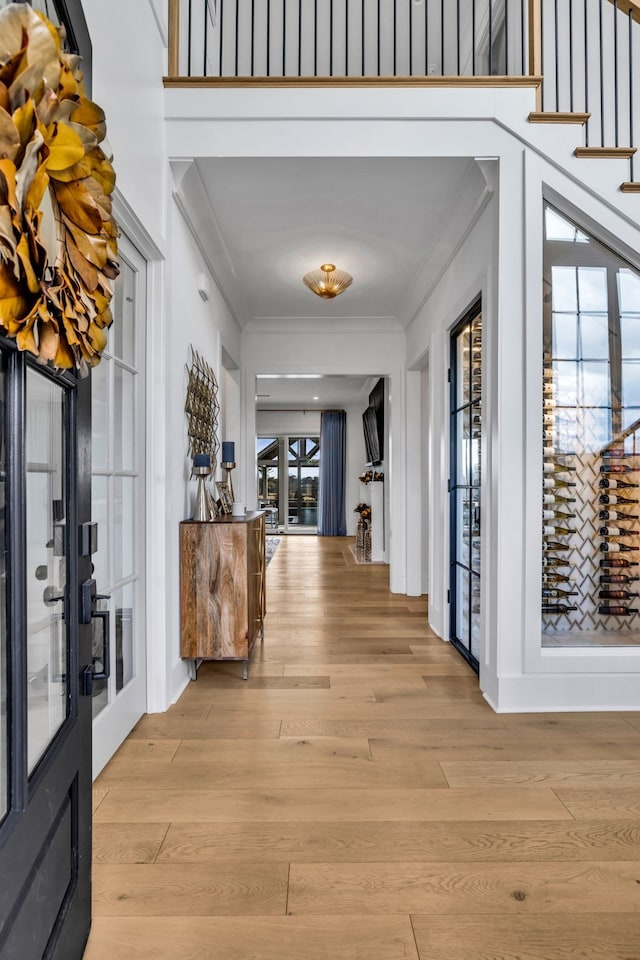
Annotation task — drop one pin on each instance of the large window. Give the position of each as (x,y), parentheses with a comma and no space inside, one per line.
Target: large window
(591,440)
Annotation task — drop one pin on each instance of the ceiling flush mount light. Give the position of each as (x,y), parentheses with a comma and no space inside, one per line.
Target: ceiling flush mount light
(327,282)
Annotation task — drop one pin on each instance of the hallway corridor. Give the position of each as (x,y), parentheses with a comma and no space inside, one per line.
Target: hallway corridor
(357,799)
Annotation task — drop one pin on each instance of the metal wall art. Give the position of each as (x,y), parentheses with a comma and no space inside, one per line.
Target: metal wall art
(202,408)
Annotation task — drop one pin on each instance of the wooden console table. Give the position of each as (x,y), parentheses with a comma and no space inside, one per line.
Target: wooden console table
(222,589)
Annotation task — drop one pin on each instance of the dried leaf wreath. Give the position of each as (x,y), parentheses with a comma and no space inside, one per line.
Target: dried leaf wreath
(49,136)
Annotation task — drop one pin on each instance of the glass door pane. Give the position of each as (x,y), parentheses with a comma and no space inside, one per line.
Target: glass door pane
(47,654)
(304,471)
(269,479)
(466,455)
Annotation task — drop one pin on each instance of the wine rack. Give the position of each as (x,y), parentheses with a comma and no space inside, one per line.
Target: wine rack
(590,522)
(618,500)
(558,513)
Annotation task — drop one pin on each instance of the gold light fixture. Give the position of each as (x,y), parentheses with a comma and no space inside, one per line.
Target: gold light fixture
(327,282)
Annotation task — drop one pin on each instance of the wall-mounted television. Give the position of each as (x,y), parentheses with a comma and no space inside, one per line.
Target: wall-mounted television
(371,442)
(373,424)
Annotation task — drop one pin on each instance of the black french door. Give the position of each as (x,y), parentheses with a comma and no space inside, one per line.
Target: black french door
(464,485)
(46,666)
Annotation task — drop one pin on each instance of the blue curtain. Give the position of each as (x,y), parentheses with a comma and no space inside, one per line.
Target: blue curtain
(333,456)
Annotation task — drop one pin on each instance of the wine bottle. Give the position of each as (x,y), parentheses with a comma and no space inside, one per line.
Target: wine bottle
(551,467)
(554,562)
(617,578)
(618,562)
(613,498)
(557,592)
(617,468)
(616,532)
(606,483)
(556,515)
(550,482)
(616,611)
(617,547)
(615,452)
(617,515)
(556,547)
(557,608)
(556,578)
(548,402)
(556,530)
(549,450)
(617,595)
(555,498)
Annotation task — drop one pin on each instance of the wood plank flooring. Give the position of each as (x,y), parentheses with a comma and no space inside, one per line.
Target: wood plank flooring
(356,799)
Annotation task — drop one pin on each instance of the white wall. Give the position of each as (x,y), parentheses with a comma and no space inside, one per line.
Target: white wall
(355,465)
(128,64)
(290,423)
(471,271)
(425,471)
(230,418)
(205,325)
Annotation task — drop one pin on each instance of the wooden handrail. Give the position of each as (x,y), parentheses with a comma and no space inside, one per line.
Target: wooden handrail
(173,58)
(535,45)
(629,6)
(194,83)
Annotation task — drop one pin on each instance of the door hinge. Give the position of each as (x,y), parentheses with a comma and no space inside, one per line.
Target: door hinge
(449,485)
(448,596)
(449,375)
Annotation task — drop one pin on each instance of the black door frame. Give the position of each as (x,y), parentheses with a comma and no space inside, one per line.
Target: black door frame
(469,315)
(61,780)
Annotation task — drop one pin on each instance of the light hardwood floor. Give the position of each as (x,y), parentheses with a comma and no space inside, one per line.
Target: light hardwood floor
(356,799)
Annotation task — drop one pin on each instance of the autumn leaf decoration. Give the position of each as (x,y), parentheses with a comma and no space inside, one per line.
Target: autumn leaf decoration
(54,179)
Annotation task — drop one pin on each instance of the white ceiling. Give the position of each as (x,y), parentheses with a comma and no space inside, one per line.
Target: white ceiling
(289,394)
(277,218)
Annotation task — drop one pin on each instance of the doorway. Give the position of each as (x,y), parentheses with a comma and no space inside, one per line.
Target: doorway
(465,494)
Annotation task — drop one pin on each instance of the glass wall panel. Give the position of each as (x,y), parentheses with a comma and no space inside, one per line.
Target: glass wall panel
(591,441)
(47,655)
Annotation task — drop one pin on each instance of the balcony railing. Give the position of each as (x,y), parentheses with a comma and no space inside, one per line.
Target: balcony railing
(584,55)
(352,38)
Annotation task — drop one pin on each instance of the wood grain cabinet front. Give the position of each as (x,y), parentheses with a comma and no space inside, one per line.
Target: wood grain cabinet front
(222,588)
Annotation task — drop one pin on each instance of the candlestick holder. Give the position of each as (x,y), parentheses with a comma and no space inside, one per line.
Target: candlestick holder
(228,466)
(203,508)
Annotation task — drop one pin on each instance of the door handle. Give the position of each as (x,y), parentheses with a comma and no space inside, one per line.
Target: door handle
(105,616)
(88,597)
